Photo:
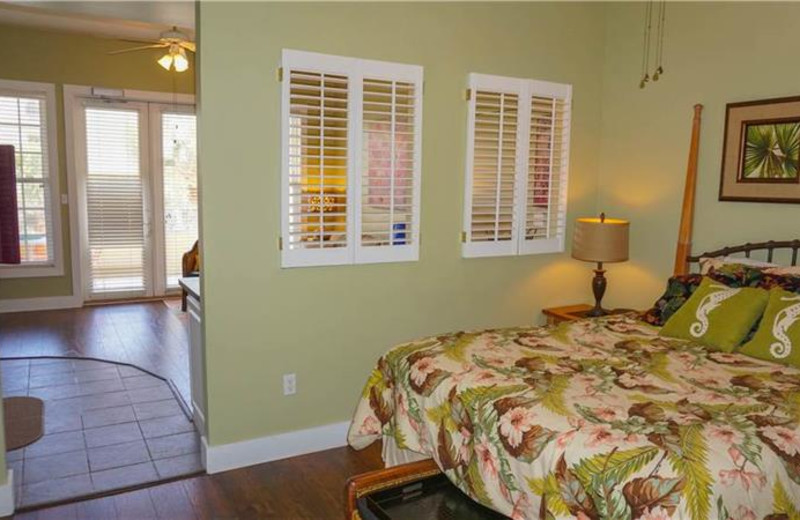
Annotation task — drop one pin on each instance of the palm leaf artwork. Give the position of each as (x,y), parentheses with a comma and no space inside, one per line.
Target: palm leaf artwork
(771,151)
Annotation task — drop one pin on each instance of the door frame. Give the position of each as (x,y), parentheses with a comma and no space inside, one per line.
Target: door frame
(73,96)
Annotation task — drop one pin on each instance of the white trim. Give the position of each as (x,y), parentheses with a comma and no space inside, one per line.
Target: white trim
(224,457)
(40,304)
(56,267)
(7,495)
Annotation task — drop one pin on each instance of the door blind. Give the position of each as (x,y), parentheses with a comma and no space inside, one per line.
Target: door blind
(179,156)
(518,146)
(114,201)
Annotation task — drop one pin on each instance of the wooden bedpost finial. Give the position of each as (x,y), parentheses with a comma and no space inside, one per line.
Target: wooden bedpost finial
(684,247)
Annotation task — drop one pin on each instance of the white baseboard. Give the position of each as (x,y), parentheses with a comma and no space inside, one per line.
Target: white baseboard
(225,457)
(39,304)
(7,495)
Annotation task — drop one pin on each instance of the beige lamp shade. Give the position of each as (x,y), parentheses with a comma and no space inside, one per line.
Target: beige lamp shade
(600,240)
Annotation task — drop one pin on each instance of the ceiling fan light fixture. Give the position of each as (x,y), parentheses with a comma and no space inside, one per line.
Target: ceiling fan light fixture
(166,61)
(180,61)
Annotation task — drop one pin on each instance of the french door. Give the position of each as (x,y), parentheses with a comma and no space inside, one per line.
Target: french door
(137,172)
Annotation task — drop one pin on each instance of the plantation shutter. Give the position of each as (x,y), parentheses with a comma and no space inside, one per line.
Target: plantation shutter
(494,146)
(114,202)
(317,158)
(351,160)
(517,159)
(390,175)
(548,161)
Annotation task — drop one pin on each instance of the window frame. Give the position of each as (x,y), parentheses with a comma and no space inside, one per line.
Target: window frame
(356,71)
(55,265)
(518,245)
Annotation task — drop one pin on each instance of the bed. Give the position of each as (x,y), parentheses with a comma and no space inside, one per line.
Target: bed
(592,419)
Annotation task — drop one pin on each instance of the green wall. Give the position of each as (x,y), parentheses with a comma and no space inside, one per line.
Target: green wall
(715,53)
(330,324)
(71,59)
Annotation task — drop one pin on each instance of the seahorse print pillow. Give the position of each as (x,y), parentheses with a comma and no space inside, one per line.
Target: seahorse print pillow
(778,337)
(717,316)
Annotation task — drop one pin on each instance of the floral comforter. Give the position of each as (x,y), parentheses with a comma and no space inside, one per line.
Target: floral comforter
(593,419)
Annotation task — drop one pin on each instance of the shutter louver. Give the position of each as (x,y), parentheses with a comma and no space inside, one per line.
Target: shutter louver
(351,160)
(318,161)
(546,196)
(389,191)
(517,163)
(114,202)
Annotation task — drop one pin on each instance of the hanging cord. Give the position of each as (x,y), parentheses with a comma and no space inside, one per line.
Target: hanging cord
(646,45)
(660,44)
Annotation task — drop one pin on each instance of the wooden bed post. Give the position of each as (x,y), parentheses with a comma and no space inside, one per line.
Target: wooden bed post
(687,212)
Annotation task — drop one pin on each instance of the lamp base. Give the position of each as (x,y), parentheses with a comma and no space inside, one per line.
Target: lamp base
(599,289)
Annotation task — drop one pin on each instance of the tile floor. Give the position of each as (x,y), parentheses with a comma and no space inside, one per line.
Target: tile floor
(107,427)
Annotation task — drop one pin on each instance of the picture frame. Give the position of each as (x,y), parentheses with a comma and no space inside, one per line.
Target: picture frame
(761,151)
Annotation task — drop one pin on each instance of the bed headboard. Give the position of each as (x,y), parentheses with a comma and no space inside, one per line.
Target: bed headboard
(765,251)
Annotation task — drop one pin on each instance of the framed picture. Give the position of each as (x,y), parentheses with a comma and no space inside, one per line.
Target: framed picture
(761,154)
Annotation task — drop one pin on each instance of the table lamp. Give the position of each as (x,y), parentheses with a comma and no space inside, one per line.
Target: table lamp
(601,240)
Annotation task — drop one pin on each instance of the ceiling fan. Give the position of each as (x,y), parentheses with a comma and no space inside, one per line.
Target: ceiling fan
(176,43)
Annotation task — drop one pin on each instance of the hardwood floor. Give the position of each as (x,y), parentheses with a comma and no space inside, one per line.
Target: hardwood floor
(148,335)
(310,487)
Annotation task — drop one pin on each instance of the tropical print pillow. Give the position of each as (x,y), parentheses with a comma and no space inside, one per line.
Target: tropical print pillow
(778,337)
(717,315)
(680,288)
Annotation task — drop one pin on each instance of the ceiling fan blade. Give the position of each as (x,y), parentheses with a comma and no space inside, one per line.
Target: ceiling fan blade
(143,47)
(142,40)
(189,46)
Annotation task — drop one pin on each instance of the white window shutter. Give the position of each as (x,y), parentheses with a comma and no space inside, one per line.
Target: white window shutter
(494,148)
(352,139)
(517,164)
(547,169)
(389,172)
(317,159)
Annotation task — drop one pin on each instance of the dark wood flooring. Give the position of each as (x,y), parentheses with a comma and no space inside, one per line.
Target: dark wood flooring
(148,335)
(310,487)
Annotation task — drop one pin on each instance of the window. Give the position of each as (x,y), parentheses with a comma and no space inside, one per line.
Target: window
(351,160)
(27,122)
(517,166)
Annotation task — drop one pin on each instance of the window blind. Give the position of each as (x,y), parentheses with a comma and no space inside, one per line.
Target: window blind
(179,145)
(114,201)
(23,125)
(517,156)
(351,170)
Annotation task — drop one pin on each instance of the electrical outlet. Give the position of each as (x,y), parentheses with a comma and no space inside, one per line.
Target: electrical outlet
(289,384)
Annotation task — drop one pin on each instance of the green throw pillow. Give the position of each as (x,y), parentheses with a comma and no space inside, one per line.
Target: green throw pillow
(717,315)
(778,337)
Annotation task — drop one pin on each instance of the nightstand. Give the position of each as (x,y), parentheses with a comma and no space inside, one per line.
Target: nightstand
(556,315)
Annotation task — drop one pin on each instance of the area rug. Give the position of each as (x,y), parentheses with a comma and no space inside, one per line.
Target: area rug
(24,421)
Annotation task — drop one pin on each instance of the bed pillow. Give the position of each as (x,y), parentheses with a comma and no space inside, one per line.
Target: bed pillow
(778,337)
(679,289)
(793,270)
(709,263)
(717,315)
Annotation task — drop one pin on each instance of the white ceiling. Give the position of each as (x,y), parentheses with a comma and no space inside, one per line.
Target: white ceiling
(113,19)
